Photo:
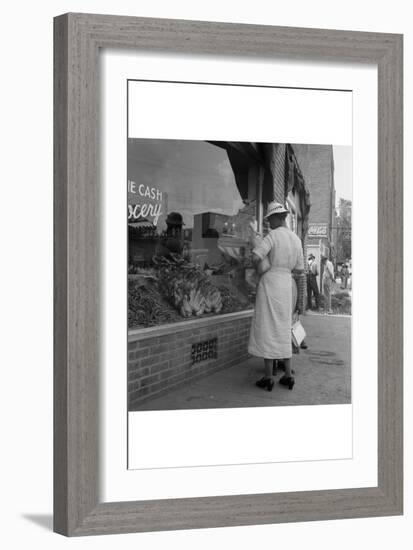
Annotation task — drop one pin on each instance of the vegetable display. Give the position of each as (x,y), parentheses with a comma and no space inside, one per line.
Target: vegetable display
(146,308)
(187,287)
(231,300)
(174,288)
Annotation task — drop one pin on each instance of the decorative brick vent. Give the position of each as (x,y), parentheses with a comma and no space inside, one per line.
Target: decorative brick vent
(204,350)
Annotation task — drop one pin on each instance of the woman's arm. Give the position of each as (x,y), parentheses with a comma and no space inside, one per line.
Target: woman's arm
(261,265)
(255,259)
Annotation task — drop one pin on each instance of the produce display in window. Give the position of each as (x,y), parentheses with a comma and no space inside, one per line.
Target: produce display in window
(169,287)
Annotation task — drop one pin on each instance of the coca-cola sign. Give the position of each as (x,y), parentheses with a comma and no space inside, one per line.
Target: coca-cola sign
(317,230)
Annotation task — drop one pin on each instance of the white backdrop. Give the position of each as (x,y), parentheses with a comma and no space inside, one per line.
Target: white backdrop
(307,426)
(26,274)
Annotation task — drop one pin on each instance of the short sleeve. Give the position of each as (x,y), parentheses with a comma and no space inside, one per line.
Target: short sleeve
(262,249)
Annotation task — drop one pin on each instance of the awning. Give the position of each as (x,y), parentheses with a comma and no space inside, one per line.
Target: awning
(241,156)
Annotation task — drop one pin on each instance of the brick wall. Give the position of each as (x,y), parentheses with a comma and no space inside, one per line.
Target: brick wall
(316,166)
(156,364)
(275,156)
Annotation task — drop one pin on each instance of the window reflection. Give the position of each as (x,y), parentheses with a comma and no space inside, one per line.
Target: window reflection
(189,254)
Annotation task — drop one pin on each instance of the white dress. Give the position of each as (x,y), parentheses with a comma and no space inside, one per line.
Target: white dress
(270,335)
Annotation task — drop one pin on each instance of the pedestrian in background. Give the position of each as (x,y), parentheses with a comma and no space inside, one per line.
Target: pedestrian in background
(312,286)
(171,241)
(328,278)
(344,276)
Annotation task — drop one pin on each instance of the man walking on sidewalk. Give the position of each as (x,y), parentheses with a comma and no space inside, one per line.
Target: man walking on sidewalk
(312,286)
(344,276)
(328,278)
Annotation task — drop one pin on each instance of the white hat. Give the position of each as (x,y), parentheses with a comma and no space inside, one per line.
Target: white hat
(275,208)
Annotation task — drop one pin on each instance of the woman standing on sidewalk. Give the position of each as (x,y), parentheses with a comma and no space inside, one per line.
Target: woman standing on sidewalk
(270,335)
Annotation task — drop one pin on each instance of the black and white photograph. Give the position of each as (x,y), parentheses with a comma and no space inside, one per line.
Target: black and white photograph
(239,274)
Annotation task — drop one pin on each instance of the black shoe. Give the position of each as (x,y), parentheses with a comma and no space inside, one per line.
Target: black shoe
(287,381)
(303,345)
(265,383)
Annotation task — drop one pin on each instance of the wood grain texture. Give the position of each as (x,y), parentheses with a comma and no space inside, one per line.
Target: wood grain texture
(78,38)
(60,279)
(390,280)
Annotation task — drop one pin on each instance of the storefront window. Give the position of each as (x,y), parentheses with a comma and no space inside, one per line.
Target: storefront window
(189,255)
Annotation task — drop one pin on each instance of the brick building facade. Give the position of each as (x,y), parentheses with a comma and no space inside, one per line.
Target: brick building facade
(275,155)
(317,164)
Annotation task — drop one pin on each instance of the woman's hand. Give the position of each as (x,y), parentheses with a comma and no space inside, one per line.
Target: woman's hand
(253,226)
(255,237)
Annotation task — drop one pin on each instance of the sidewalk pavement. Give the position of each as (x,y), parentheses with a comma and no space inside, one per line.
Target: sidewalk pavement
(323,375)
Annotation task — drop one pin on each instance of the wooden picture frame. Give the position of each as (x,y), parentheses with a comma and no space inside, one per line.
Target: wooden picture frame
(78,39)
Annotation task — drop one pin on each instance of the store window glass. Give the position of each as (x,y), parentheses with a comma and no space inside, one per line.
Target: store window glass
(188,250)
